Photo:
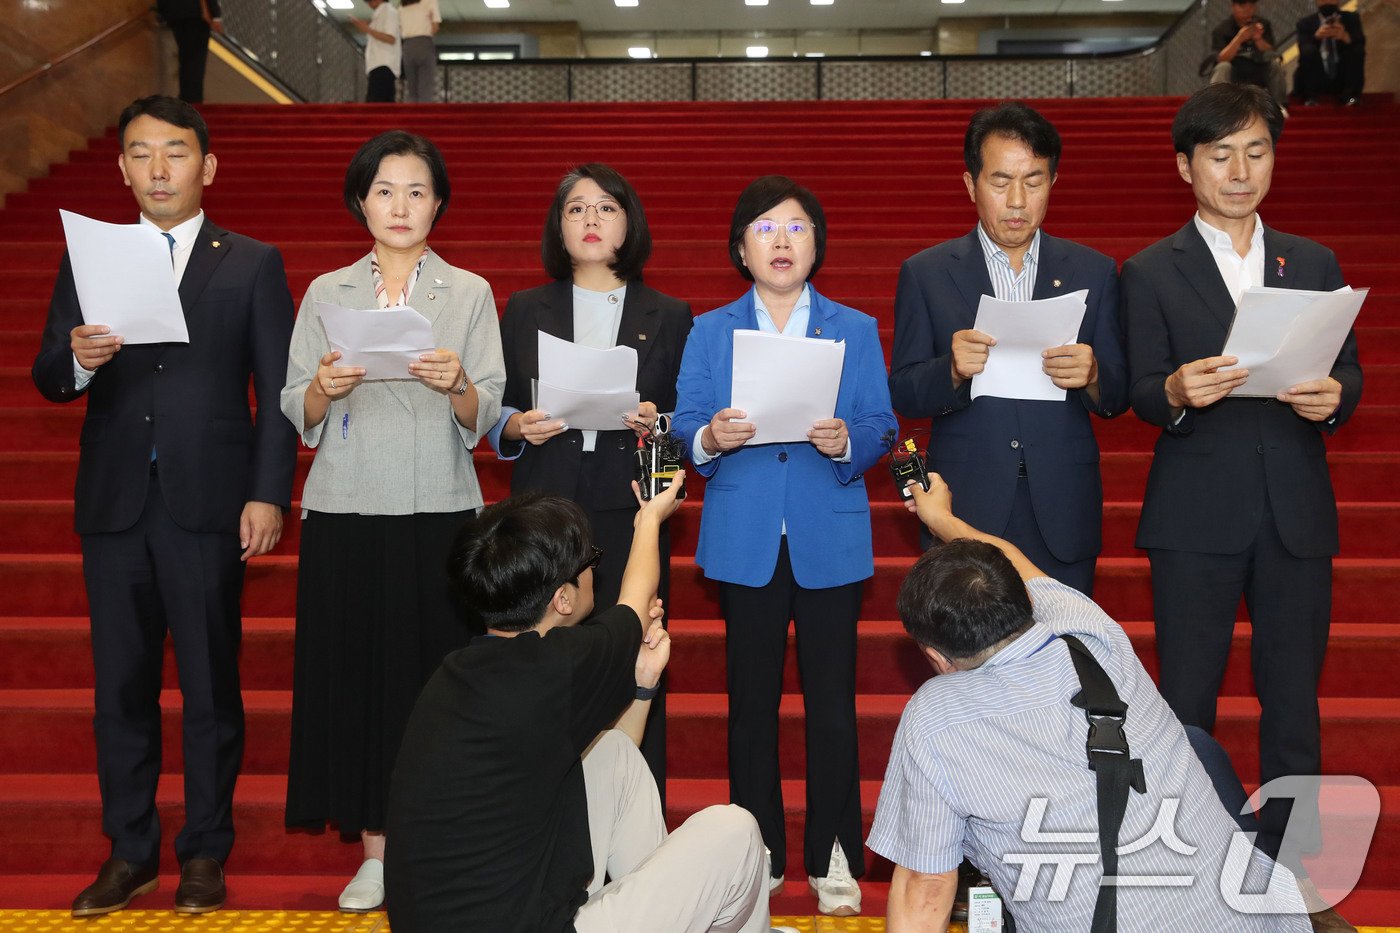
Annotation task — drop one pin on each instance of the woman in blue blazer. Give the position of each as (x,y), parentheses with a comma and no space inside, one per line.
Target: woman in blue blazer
(785,529)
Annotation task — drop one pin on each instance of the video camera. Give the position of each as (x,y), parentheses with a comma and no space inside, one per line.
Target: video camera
(659,457)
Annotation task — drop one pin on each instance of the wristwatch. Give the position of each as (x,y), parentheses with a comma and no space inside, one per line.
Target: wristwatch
(647,693)
(466,381)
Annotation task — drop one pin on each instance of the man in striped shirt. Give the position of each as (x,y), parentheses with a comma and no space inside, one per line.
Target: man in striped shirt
(989,762)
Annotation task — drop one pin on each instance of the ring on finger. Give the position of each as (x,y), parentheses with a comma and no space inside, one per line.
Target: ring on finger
(332,383)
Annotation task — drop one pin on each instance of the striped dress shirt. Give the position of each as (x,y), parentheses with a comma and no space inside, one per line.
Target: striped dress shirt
(1007,284)
(976,749)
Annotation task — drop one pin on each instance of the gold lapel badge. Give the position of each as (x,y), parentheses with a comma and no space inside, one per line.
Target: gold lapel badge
(641,336)
(215,244)
(1056,283)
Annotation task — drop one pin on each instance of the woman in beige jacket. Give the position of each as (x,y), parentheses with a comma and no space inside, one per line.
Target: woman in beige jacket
(391,484)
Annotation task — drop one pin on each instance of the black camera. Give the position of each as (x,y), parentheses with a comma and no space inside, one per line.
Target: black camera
(907,463)
(659,457)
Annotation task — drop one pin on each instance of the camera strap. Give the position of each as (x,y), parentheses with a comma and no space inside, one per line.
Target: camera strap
(1111,761)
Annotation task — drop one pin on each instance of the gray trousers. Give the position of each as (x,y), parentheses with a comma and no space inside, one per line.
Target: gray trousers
(420,70)
(1278,87)
(707,875)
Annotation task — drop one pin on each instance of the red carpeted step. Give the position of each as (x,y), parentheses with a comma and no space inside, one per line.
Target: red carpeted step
(1368,529)
(48,584)
(51,731)
(38,653)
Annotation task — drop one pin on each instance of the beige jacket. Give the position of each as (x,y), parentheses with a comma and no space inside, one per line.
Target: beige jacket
(394,447)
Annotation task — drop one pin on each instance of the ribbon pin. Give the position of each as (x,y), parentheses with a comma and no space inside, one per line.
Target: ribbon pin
(1281,264)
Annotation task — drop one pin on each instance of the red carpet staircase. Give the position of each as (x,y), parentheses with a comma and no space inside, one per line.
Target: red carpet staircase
(888,174)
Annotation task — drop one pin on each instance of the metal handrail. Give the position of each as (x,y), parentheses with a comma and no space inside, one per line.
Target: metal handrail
(42,69)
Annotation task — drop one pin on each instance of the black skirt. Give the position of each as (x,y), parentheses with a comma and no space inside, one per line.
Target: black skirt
(375,617)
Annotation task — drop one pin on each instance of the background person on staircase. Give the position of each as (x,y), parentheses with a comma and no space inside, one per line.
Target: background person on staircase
(177,487)
(418,22)
(995,731)
(383,50)
(191,21)
(595,244)
(1246,53)
(785,529)
(1331,55)
(392,483)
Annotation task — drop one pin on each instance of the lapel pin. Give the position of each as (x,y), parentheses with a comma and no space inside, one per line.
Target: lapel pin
(1056,283)
(817,332)
(641,336)
(431,296)
(215,244)
(1281,263)
(439,282)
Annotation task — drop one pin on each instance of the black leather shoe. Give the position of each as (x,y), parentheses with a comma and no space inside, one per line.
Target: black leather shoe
(117,883)
(201,887)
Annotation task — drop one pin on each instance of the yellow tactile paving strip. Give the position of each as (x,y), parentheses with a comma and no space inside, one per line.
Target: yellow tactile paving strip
(305,921)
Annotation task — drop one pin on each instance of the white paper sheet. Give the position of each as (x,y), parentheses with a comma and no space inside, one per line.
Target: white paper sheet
(784,384)
(1023,330)
(383,340)
(125,279)
(1288,336)
(568,365)
(587,409)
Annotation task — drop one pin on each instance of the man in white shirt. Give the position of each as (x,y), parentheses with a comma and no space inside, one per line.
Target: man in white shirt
(1239,501)
(383,50)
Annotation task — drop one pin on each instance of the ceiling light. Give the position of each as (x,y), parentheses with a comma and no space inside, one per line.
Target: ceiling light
(496,4)
(815,54)
(625,2)
(755,2)
(926,53)
(823,2)
(756,51)
(639,51)
(952,1)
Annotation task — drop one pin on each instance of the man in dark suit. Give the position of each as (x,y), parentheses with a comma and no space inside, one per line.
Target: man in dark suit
(191,21)
(1331,55)
(177,487)
(1025,470)
(1239,501)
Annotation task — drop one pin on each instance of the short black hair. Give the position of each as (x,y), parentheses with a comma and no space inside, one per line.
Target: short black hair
(760,197)
(963,597)
(364,165)
(1217,110)
(170,110)
(635,250)
(508,562)
(1014,120)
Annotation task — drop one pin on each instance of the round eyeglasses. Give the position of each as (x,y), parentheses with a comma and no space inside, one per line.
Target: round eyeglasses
(605,211)
(765,231)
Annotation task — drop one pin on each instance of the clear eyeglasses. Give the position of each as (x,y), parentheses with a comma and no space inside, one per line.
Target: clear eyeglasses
(606,211)
(765,231)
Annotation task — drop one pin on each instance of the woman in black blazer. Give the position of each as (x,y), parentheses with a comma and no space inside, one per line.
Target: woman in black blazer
(595,243)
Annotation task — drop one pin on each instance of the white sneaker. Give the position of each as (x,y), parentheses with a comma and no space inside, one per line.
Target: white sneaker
(366,890)
(838,895)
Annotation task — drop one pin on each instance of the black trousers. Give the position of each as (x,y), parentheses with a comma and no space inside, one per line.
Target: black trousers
(154,577)
(192,45)
(379,88)
(1311,79)
(756,624)
(1289,599)
(1023,531)
(612,531)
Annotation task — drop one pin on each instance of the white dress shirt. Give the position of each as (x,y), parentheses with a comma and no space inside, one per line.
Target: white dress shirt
(1007,283)
(384,54)
(1238,272)
(185,234)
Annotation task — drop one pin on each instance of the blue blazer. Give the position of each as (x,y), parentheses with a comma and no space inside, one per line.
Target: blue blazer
(977,446)
(752,491)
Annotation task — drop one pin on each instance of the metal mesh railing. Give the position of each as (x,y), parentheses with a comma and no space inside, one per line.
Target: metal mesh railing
(319,60)
(310,53)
